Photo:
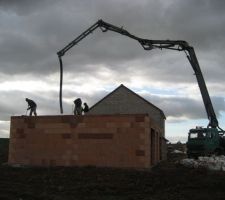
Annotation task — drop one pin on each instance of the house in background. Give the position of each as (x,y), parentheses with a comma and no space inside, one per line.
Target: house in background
(122,100)
(121,130)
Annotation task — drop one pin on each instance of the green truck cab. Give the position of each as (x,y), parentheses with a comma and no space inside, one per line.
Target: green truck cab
(205,142)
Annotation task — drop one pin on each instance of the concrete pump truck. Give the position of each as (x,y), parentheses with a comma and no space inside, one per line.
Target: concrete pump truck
(201,141)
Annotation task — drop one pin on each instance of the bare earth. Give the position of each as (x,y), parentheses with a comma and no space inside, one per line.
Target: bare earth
(165,181)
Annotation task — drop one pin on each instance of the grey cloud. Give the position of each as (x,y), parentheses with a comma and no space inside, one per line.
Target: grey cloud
(59,23)
(13,103)
(4,127)
(175,139)
(90,99)
(23,7)
(187,107)
(25,54)
(32,48)
(33,31)
(199,22)
(175,107)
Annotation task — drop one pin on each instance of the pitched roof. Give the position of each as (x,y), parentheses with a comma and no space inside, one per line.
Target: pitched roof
(122,86)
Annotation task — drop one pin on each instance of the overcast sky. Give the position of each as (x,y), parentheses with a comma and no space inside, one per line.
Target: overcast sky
(33,31)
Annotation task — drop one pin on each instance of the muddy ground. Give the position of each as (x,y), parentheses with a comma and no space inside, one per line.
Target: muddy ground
(165,181)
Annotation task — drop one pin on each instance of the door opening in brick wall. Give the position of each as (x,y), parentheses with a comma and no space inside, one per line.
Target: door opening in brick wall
(153,146)
(160,148)
(157,146)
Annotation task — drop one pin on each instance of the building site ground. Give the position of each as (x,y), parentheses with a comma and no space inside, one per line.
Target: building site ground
(168,180)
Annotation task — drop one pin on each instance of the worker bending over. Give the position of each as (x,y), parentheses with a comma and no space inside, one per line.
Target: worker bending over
(78,107)
(32,106)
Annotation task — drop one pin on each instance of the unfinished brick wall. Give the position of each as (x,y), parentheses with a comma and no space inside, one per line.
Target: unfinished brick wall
(99,140)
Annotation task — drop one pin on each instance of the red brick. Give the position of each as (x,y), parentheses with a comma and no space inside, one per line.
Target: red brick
(66,136)
(30,125)
(140,118)
(19,130)
(98,143)
(140,153)
(21,135)
(95,136)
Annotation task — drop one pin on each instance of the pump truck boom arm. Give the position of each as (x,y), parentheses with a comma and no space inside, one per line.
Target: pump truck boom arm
(147,44)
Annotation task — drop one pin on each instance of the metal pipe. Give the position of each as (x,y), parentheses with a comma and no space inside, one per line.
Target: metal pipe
(61,83)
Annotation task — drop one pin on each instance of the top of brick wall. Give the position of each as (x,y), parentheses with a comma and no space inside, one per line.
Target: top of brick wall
(80,116)
(84,118)
(69,118)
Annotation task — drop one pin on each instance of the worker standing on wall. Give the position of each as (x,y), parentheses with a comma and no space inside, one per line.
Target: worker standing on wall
(32,106)
(86,108)
(78,107)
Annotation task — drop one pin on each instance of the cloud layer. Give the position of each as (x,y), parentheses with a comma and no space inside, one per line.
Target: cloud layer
(33,31)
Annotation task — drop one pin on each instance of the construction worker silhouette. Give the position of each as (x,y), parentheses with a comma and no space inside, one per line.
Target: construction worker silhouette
(86,108)
(78,107)
(32,106)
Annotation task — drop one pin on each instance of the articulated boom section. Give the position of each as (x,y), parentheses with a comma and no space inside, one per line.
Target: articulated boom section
(147,44)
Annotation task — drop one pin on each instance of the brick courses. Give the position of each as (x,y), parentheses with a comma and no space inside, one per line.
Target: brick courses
(98,140)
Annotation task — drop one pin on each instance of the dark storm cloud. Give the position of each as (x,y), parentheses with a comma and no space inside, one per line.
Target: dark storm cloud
(46,27)
(33,31)
(23,7)
(200,22)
